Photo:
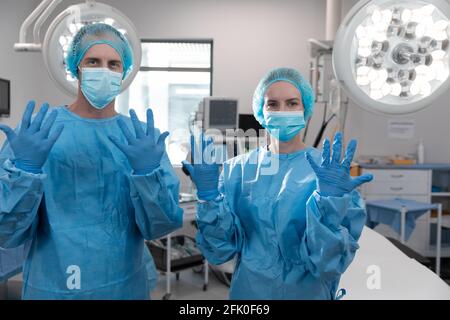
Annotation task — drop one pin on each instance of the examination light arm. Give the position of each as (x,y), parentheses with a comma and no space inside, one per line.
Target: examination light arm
(41,13)
(22,45)
(43,17)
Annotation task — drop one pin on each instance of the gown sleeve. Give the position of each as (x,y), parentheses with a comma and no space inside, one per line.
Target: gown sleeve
(220,234)
(20,196)
(333,227)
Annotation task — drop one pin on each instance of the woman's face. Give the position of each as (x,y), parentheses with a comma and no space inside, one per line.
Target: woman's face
(283,96)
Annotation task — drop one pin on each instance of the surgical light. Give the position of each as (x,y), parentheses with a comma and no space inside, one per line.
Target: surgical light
(393,56)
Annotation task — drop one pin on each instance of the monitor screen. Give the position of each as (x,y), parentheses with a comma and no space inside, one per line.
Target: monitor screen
(4,97)
(248,121)
(222,113)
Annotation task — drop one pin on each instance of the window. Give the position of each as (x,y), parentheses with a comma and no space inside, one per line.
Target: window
(173,78)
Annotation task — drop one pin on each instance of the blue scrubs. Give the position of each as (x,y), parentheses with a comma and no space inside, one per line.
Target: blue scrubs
(87,215)
(290,242)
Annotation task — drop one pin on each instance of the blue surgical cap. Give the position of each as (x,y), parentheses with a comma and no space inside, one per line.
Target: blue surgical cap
(283,74)
(98,33)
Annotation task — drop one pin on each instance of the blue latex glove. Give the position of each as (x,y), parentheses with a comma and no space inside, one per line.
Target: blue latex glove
(203,172)
(32,144)
(333,177)
(143,153)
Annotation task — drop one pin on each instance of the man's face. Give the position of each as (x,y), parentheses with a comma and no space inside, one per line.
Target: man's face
(102,56)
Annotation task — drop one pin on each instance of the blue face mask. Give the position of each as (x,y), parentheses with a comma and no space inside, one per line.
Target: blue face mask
(100,86)
(284,125)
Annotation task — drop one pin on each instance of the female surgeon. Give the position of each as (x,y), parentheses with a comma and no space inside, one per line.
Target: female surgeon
(84,186)
(295,229)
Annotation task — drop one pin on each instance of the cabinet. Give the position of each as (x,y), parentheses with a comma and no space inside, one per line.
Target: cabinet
(419,183)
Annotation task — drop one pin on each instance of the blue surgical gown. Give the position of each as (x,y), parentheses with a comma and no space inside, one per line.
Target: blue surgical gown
(289,241)
(87,215)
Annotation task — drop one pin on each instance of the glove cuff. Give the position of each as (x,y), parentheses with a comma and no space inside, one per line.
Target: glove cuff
(27,167)
(207,195)
(145,171)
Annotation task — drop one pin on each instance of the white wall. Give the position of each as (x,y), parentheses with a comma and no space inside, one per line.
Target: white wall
(24,70)
(250,37)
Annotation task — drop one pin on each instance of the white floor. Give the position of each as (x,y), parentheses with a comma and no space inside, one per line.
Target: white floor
(188,287)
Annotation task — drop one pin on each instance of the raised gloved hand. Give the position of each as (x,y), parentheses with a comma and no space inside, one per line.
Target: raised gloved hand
(142,151)
(32,144)
(204,172)
(333,177)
